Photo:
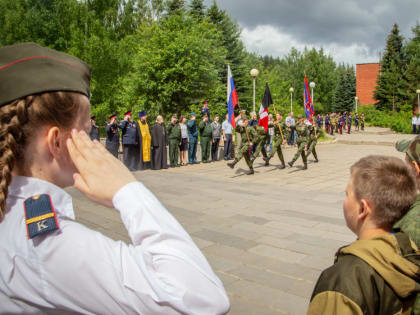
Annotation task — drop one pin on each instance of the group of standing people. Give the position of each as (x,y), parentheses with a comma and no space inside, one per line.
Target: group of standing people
(339,122)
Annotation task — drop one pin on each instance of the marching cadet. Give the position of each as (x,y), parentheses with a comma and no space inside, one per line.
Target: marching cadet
(112,142)
(302,141)
(362,121)
(130,141)
(248,136)
(314,134)
(94,130)
(259,144)
(51,264)
(174,138)
(206,134)
(280,136)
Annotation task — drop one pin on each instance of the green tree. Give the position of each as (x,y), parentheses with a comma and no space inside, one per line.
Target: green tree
(412,73)
(175,6)
(389,92)
(197,9)
(345,91)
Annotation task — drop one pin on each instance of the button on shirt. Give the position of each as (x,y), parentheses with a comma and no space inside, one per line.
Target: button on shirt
(75,269)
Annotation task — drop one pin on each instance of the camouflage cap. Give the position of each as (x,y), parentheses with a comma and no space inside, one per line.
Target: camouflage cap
(410,147)
(27,69)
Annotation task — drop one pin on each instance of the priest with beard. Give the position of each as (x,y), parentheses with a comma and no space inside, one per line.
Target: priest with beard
(145,142)
(159,143)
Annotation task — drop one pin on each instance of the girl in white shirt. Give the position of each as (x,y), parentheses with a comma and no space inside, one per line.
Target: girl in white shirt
(49,262)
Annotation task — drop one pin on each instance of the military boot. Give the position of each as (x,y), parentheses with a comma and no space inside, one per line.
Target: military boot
(291,163)
(232,164)
(305,166)
(251,172)
(316,160)
(282,166)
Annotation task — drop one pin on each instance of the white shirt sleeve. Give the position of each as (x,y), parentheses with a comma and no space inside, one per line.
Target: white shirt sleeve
(163,272)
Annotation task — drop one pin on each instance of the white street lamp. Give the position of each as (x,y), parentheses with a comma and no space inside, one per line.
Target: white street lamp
(291,90)
(254,74)
(312,85)
(355,100)
(418,101)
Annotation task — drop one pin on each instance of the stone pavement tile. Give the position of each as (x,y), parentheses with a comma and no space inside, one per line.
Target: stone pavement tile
(201,243)
(241,306)
(317,262)
(222,264)
(285,302)
(278,253)
(225,239)
(235,232)
(294,228)
(340,222)
(317,241)
(340,229)
(226,279)
(347,238)
(252,219)
(284,219)
(276,281)
(262,229)
(296,246)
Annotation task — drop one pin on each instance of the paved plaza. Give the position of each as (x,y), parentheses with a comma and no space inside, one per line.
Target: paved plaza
(267,236)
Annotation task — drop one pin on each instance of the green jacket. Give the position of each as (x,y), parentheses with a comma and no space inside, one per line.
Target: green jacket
(205,129)
(252,133)
(261,134)
(314,133)
(174,131)
(410,224)
(284,129)
(374,276)
(302,132)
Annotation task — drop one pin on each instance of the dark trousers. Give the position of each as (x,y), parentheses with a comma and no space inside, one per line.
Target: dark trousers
(215,149)
(348,128)
(192,150)
(414,129)
(173,152)
(129,156)
(227,147)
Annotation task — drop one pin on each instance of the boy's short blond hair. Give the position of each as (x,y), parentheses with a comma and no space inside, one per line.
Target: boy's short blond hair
(387,184)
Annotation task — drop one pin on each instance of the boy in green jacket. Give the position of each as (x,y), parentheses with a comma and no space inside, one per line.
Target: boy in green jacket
(379,272)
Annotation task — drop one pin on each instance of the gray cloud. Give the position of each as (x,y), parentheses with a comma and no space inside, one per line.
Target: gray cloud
(365,23)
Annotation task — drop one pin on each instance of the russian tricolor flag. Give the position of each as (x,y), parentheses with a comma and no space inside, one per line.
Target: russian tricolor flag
(232,97)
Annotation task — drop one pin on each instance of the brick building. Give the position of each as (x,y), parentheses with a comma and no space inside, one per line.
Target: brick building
(366,76)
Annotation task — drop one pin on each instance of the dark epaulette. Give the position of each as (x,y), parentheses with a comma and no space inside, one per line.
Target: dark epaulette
(40,215)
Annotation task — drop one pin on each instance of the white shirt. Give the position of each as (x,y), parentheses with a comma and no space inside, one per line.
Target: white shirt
(76,269)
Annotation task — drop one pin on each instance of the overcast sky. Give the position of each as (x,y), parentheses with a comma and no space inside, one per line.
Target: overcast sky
(351,31)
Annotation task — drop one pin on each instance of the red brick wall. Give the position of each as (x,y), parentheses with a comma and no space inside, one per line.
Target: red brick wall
(366,76)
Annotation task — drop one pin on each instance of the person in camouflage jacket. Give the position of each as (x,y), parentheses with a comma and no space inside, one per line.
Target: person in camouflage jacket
(280,137)
(302,141)
(314,134)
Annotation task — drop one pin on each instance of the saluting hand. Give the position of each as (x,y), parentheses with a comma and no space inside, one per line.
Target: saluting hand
(100,175)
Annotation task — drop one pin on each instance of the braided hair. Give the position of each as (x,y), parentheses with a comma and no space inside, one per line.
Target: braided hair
(19,120)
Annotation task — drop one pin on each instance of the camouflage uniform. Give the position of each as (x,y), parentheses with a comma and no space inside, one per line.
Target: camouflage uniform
(243,150)
(278,140)
(302,141)
(260,142)
(314,134)
(410,223)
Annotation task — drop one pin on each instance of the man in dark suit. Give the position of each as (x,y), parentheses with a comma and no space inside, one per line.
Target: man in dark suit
(94,130)
(130,141)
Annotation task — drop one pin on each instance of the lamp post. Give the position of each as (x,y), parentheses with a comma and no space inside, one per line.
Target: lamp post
(355,100)
(254,74)
(291,90)
(418,101)
(312,85)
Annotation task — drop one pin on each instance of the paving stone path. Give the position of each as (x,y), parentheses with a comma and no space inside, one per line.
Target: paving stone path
(267,236)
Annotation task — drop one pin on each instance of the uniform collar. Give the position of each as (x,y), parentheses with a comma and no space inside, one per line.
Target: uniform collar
(24,187)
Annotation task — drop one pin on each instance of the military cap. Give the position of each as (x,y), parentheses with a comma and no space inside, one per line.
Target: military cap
(113,116)
(127,113)
(410,147)
(27,69)
(142,114)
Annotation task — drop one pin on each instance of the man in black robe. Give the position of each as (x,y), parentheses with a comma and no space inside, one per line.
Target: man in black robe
(159,143)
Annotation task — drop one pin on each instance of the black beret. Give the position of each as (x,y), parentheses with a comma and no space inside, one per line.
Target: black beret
(27,69)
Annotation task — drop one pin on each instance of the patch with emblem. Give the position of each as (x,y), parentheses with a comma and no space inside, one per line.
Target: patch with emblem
(40,215)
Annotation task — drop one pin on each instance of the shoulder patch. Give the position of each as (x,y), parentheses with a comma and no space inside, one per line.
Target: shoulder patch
(40,215)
